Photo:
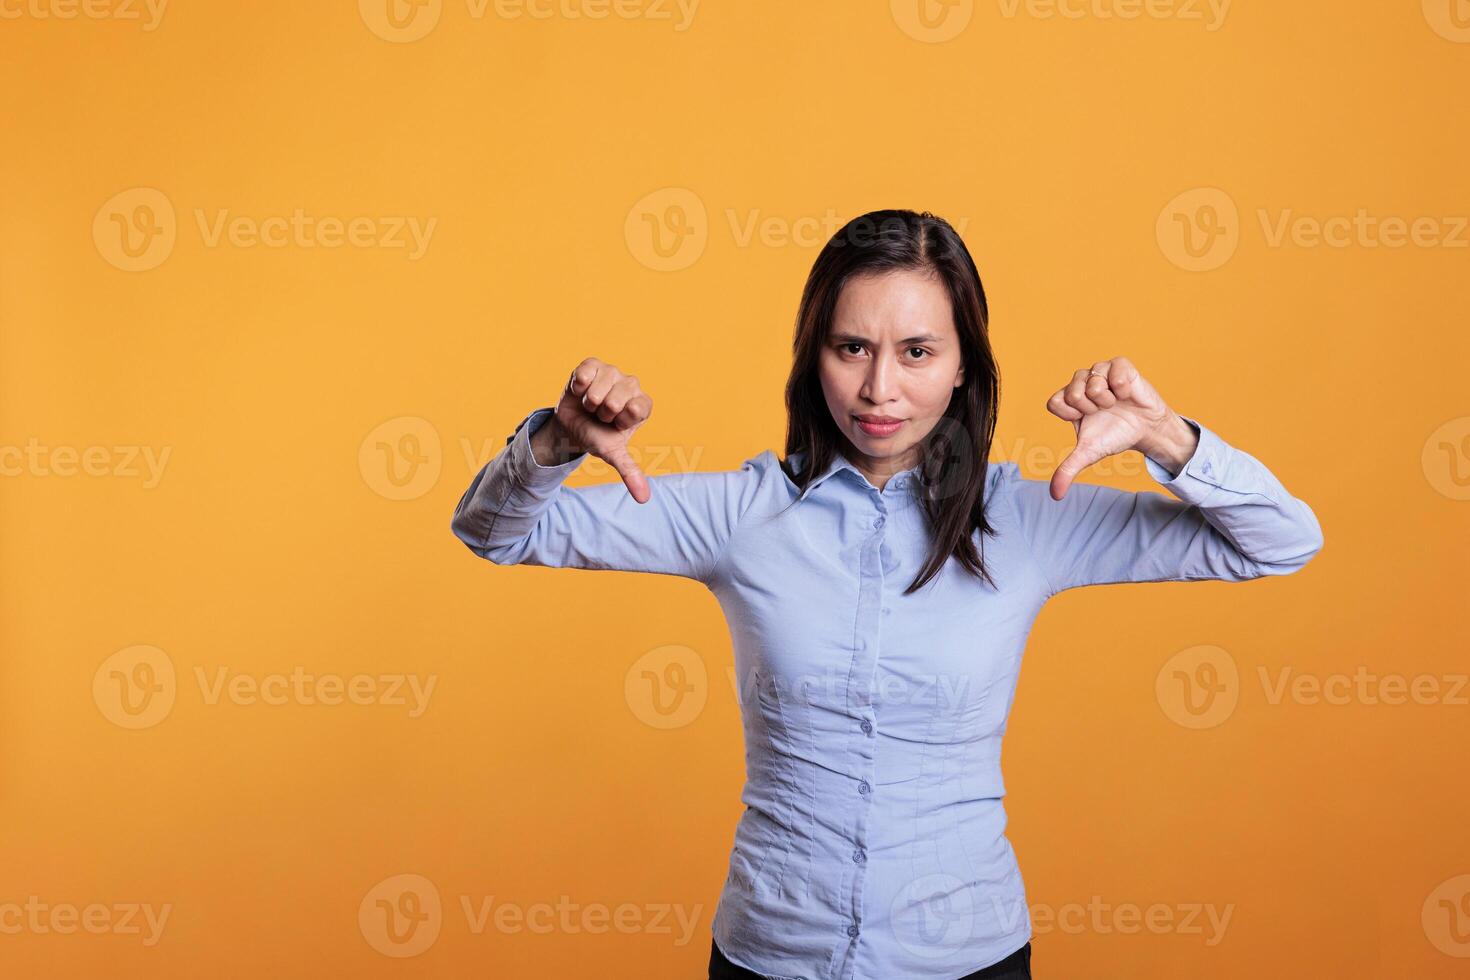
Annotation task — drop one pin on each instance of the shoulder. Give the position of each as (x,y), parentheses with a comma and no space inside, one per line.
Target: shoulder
(1003,479)
(1013,495)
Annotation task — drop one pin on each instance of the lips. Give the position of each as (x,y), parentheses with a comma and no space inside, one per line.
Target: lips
(878,425)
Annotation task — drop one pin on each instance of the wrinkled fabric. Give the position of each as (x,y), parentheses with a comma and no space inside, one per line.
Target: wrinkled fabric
(873,842)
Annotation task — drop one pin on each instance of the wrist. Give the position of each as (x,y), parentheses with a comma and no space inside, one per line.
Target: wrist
(552,444)
(1172,445)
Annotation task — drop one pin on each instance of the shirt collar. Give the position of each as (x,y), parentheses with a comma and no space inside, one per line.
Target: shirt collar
(841,463)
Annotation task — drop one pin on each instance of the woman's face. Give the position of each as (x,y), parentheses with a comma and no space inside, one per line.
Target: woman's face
(893,353)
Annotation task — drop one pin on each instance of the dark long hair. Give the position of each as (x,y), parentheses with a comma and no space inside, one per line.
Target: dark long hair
(952,470)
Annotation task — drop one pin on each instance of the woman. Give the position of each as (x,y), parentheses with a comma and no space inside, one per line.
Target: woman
(879,584)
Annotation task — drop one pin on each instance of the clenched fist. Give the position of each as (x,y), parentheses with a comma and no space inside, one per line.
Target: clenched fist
(1113,410)
(600,408)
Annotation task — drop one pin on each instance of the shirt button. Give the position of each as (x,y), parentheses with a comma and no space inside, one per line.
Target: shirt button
(886,610)
(852,931)
(862,644)
(878,522)
(864,788)
(859,856)
(867,727)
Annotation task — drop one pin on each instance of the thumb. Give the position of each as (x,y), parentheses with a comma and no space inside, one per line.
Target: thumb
(633,477)
(1077,460)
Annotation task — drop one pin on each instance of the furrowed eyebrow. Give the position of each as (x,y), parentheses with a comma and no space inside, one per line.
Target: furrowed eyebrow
(848,338)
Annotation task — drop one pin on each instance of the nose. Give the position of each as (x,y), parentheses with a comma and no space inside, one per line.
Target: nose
(878,385)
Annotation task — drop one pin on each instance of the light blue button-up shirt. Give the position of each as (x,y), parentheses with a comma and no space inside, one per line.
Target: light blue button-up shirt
(873,845)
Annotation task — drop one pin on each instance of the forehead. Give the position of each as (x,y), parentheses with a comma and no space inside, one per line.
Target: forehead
(898,304)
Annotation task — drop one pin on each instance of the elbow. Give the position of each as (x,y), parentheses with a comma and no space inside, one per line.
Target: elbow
(476,537)
(1314,538)
(1309,545)
(469,533)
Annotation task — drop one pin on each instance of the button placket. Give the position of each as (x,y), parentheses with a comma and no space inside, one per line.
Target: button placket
(864,674)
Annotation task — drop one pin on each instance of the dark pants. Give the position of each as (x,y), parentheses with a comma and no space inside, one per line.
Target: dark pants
(1017,966)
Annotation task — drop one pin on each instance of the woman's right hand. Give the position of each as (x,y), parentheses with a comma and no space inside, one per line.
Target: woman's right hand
(600,408)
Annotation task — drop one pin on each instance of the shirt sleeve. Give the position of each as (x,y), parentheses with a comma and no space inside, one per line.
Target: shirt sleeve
(517,512)
(1233,520)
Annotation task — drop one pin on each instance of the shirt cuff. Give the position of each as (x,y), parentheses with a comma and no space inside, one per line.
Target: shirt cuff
(523,458)
(1201,473)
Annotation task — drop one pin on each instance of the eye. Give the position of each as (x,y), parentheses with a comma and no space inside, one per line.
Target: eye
(845,347)
(923,350)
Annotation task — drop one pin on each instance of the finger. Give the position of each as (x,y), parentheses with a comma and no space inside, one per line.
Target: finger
(583,375)
(1057,405)
(1061,480)
(635,412)
(633,477)
(1122,377)
(1098,386)
(1076,393)
(607,376)
(617,397)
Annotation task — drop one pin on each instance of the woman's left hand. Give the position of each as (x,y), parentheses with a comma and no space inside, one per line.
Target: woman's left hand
(1114,409)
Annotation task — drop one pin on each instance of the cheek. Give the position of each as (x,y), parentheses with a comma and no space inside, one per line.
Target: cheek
(834,380)
(934,390)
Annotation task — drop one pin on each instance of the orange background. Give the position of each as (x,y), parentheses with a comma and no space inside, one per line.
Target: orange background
(274,540)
